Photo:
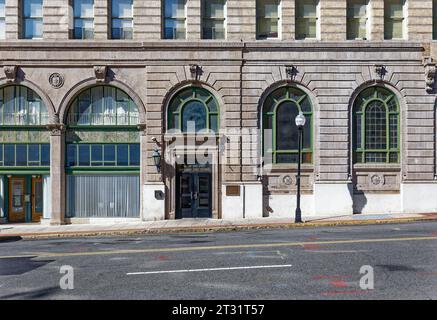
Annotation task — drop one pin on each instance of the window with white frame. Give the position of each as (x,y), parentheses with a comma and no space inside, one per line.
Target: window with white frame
(267,19)
(394,19)
(175,19)
(32,19)
(122,19)
(307,19)
(2,20)
(214,19)
(357,19)
(83,19)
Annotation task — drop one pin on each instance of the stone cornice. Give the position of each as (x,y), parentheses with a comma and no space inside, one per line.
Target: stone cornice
(211,45)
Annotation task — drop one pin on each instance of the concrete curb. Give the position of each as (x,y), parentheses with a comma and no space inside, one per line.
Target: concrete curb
(213,228)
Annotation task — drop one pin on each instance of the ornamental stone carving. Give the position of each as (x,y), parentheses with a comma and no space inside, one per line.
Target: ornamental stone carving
(10,73)
(100,73)
(377,179)
(430,73)
(56,80)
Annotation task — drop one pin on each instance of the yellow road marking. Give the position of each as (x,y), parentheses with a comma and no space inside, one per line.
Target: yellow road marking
(205,248)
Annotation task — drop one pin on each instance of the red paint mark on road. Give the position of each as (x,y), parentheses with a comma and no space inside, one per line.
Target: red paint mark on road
(339,284)
(311,246)
(312,238)
(334,293)
(162,258)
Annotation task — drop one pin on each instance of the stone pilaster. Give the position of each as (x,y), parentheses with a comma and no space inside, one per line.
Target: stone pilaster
(56,17)
(194,19)
(57,173)
(102,22)
(376,20)
(13,19)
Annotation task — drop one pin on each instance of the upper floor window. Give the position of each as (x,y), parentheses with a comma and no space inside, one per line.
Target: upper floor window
(32,19)
(394,19)
(357,19)
(175,17)
(376,127)
(267,19)
(103,105)
(279,113)
(2,20)
(307,19)
(192,110)
(214,19)
(122,19)
(21,106)
(83,19)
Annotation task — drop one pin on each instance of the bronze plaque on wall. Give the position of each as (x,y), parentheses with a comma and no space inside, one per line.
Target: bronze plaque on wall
(233,191)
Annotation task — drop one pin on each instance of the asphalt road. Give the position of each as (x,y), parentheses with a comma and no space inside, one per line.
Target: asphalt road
(309,263)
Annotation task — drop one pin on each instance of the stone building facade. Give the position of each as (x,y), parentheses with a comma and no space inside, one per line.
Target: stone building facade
(369,101)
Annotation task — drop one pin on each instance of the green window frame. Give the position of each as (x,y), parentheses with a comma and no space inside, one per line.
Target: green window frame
(298,101)
(199,97)
(21,106)
(123,155)
(376,126)
(103,106)
(24,155)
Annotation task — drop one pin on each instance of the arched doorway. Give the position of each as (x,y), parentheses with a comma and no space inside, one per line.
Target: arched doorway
(24,155)
(102,155)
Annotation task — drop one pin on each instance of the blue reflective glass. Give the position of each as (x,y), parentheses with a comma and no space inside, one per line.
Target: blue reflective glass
(134,154)
(9,155)
(71,155)
(286,130)
(84,155)
(96,153)
(122,155)
(194,117)
(45,154)
(34,152)
(109,153)
(21,153)
(1,152)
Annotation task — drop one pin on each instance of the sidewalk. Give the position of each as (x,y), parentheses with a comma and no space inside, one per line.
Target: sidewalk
(34,230)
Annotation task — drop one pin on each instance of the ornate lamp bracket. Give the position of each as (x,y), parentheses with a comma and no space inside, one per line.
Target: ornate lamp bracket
(291,72)
(196,71)
(381,71)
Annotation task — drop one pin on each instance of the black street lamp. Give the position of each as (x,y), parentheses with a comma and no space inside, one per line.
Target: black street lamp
(300,123)
(156,156)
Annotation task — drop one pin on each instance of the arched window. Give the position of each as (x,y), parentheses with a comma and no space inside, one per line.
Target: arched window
(193,109)
(24,140)
(376,126)
(279,112)
(103,105)
(21,106)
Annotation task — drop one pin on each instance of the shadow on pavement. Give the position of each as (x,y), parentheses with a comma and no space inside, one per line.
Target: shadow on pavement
(33,294)
(18,266)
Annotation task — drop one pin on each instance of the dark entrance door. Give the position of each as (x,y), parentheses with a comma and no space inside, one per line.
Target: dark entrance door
(194,195)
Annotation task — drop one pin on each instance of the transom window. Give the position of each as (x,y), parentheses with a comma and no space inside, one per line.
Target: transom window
(83,19)
(192,110)
(279,112)
(357,19)
(376,127)
(24,154)
(21,106)
(214,19)
(2,20)
(175,19)
(267,18)
(394,19)
(122,19)
(103,155)
(103,105)
(307,19)
(32,19)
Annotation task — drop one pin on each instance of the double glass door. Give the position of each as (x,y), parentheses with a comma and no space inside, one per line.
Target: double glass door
(194,195)
(20,200)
